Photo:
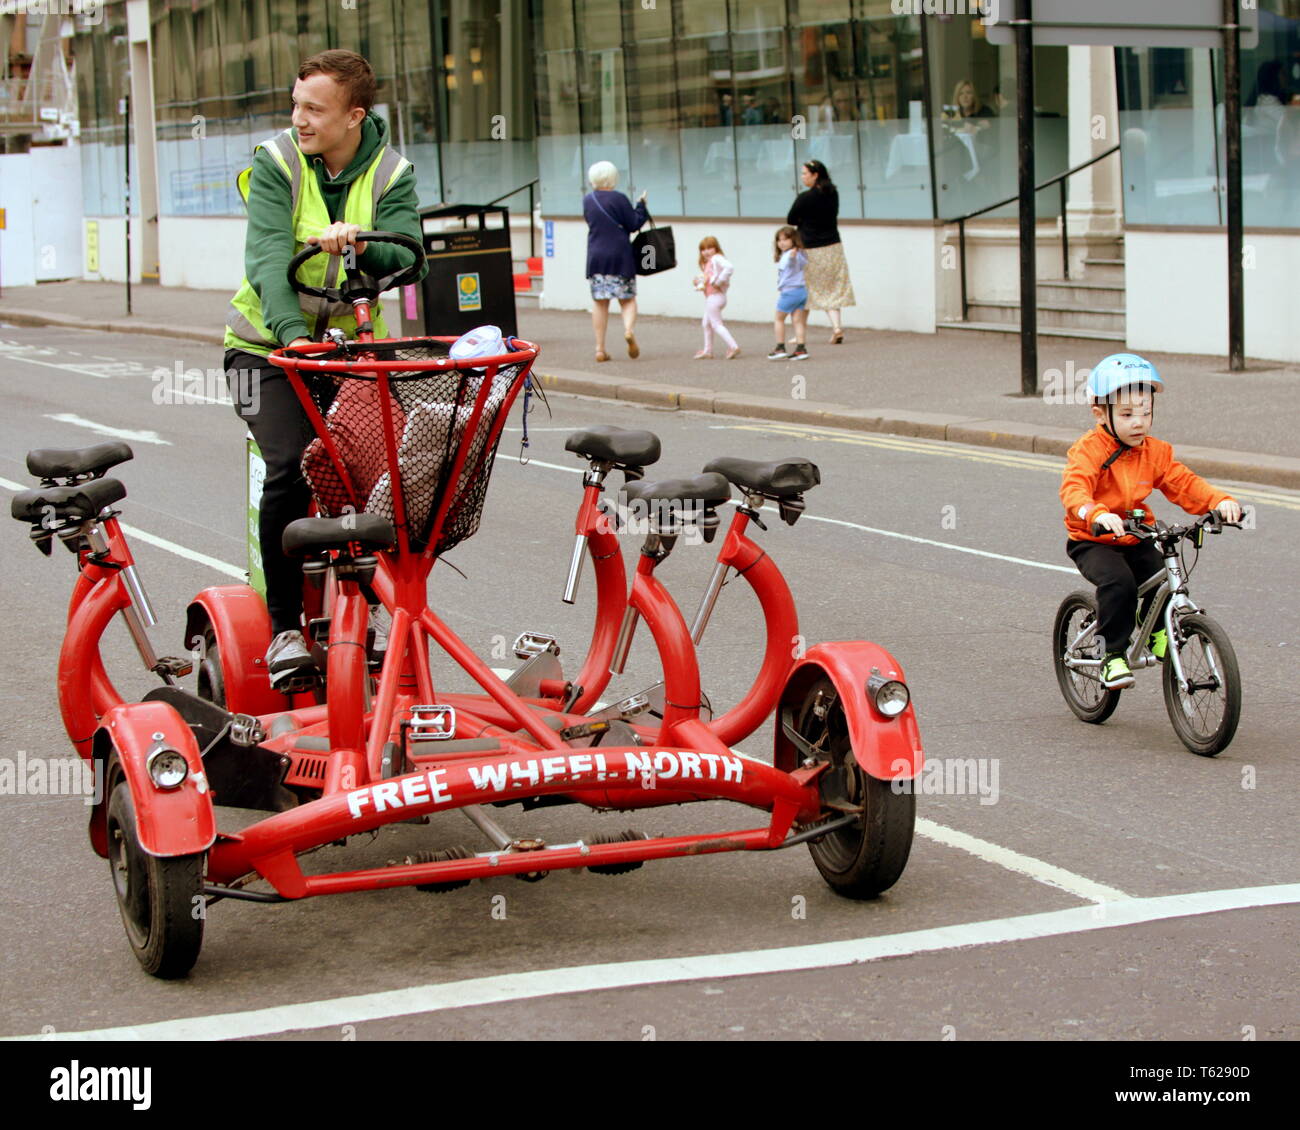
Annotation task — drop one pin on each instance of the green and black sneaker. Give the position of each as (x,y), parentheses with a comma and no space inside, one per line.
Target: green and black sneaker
(1159,643)
(1116,673)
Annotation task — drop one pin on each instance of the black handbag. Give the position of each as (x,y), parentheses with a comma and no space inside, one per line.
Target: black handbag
(655,249)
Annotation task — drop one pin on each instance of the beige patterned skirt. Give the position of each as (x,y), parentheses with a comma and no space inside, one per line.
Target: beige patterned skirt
(827,278)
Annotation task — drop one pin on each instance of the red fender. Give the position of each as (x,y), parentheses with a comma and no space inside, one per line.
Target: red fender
(886,748)
(243,627)
(169,822)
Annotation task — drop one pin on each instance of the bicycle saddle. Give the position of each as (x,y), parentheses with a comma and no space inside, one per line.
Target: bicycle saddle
(316,535)
(79,503)
(619,446)
(781,479)
(59,463)
(710,489)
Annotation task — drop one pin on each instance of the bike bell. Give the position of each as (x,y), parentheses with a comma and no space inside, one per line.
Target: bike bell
(484,341)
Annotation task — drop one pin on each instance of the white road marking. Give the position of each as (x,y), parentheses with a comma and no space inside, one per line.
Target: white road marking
(538,463)
(665,971)
(943,545)
(872,530)
(103,372)
(240,574)
(105,430)
(1047,873)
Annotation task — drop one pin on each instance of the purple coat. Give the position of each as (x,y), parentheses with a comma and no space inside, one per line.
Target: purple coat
(609,251)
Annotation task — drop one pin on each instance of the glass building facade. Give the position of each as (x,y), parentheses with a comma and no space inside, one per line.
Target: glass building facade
(710,106)
(1172,129)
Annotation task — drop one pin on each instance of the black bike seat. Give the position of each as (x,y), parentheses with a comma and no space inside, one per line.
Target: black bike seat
(316,535)
(619,446)
(784,478)
(60,463)
(79,503)
(710,489)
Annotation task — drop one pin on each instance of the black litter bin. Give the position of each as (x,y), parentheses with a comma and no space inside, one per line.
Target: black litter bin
(470,281)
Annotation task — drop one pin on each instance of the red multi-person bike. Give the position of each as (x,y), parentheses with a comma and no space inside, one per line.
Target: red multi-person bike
(406,437)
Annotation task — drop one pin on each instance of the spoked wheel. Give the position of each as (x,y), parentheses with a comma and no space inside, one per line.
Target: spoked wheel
(1204,716)
(866,857)
(1081,687)
(212,680)
(161,900)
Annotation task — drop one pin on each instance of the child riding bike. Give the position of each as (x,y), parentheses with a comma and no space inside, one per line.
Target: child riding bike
(1108,472)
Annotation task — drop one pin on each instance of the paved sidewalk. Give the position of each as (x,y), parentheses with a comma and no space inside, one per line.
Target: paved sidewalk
(949,385)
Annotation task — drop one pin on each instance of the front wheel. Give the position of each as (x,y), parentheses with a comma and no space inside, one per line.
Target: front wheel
(1204,716)
(868,856)
(160,899)
(1074,637)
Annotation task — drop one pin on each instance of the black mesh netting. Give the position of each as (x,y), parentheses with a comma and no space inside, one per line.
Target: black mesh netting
(431,413)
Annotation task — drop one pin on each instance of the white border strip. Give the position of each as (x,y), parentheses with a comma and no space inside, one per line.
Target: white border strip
(1022,864)
(589,978)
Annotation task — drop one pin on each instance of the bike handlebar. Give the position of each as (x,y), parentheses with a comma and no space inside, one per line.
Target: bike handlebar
(360,285)
(1160,532)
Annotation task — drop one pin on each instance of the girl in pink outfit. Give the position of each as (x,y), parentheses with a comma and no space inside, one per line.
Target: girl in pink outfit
(713,280)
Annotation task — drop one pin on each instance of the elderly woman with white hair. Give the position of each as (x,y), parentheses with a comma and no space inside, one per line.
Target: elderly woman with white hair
(611,265)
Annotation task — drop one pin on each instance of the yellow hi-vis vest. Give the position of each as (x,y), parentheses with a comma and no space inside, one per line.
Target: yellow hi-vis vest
(245,328)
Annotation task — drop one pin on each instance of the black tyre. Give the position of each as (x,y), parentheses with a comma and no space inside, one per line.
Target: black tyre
(161,900)
(1081,688)
(867,857)
(211,678)
(1205,717)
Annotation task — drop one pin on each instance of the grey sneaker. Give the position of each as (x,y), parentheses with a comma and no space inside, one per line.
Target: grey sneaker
(778,354)
(381,621)
(799,353)
(289,661)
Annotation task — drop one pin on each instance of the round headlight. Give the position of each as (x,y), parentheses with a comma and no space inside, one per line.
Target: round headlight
(167,768)
(890,696)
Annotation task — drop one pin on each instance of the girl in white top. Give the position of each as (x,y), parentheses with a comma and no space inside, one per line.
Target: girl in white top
(713,280)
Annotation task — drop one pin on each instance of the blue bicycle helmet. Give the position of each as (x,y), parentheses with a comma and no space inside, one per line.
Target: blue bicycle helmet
(1113,374)
(1120,371)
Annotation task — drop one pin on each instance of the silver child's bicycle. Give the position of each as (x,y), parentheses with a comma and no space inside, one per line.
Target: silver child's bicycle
(1201,681)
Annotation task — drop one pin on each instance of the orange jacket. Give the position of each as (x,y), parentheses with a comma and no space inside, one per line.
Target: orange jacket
(1087,490)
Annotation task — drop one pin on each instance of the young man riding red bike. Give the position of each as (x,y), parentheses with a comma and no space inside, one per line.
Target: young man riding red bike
(327,178)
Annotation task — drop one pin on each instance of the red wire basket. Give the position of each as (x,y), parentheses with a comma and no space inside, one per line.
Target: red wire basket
(405,431)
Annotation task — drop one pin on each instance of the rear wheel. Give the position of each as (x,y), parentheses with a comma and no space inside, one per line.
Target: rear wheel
(1204,716)
(868,856)
(1081,687)
(211,678)
(160,899)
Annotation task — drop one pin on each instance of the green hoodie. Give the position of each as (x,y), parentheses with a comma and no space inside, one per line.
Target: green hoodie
(270,243)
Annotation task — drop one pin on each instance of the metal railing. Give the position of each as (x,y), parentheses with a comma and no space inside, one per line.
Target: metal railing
(531,186)
(1060,179)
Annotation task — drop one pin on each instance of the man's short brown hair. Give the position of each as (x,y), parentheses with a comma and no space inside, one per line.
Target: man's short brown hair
(349,70)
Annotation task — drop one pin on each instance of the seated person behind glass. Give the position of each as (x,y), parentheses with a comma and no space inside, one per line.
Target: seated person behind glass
(967,109)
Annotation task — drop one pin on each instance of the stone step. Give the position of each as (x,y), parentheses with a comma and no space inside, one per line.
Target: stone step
(1086,295)
(1104,271)
(1043,331)
(1057,316)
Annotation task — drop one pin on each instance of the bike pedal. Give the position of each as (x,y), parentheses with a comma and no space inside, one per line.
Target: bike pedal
(171,665)
(432,722)
(534,643)
(296,682)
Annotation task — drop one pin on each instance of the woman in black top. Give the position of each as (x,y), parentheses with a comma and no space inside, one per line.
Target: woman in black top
(815,213)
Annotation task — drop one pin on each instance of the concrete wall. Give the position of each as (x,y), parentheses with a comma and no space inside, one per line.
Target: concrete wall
(893,270)
(17,258)
(1177,293)
(112,248)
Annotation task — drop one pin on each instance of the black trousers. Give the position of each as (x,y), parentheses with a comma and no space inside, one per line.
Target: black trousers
(1117,571)
(266,402)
